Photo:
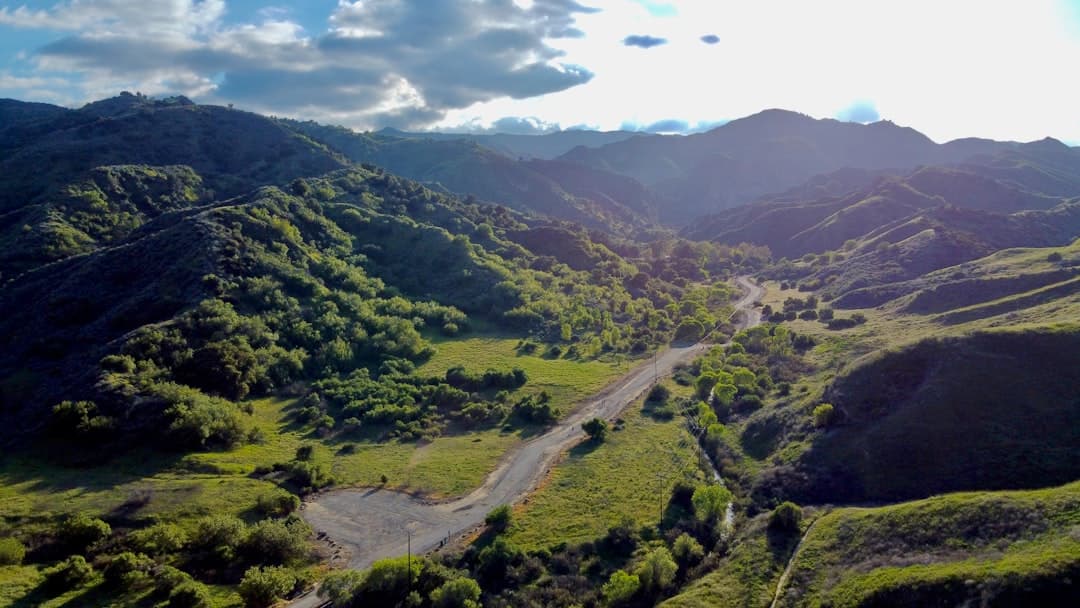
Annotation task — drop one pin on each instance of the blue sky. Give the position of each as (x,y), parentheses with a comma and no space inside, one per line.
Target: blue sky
(990,68)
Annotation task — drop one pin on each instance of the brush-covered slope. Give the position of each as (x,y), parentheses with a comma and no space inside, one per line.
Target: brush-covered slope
(986,549)
(990,410)
(544,146)
(233,151)
(1008,273)
(103,207)
(561,190)
(333,277)
(767,152)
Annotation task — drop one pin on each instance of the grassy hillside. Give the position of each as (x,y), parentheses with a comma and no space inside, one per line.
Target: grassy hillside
(991,548)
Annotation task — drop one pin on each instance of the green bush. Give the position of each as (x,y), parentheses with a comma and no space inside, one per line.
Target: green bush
(786,518)
(189,594)
(126,569)
(499,518)
(620,588)
(69,573)
(79,532)
(657,571)
(275,542)
(824,415)
(687,551)
(457,593)
(277,504)
(12,552)
(262,587)
(596,429)
(659,393)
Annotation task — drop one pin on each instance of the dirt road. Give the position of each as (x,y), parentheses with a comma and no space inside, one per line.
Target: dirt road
(373,524)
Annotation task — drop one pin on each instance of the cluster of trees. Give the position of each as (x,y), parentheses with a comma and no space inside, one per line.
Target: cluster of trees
(628,566)
(170,563)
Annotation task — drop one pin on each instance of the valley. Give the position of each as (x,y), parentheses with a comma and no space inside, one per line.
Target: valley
(255,361)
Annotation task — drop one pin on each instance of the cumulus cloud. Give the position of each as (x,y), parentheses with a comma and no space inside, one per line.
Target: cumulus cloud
(710,39)
(860,111)
(380,62)
(643,41)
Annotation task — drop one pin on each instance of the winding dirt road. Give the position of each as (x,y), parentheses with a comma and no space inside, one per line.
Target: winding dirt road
(372,524)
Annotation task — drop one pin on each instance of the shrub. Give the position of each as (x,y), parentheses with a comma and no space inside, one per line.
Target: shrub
(69,573)
(620,588)
(808,315)
(786,518)
(825,314)
(499,518)
(275,542)
(710,502)
(687,551)
(305,452)
(824,415)
(189,594)
(160,539)
(1054,257)
(78,532)
(657,571)
(167,578)
(125,569)
(12,552)
(659,393)
(262,587)
(277,504)
(596,429)
(457,593)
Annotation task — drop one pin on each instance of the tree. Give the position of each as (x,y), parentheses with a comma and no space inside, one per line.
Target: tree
(127,568)
(659,393)
(620,588)
(261,587)
(687,551)
(78,532)
(710,502)
(189,594)
(786,517)
(12,552)
(457,593)
(499,518)
(596,429)
(341,587)
(69,573)
(824,415)
(657,571)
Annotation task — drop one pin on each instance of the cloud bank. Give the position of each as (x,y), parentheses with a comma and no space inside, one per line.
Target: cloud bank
(380,62)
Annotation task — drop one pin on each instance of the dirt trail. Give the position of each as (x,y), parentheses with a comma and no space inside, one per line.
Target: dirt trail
(372,524)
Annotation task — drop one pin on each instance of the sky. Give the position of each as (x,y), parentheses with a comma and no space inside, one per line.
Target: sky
(1003,69)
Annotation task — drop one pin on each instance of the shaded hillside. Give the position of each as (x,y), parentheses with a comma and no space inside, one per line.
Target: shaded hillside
(560,190)
(1001,274)
(803,220)
(105,206)
(334,276)
(990,549)
(941,237)
(232,151)
(544,146)
(767,152)
(992,410)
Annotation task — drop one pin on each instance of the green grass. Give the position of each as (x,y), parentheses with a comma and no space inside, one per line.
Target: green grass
(597,485)
(567,380)
(942,550)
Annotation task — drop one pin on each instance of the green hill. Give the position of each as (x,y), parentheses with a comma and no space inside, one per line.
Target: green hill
(991,410)
(990,549)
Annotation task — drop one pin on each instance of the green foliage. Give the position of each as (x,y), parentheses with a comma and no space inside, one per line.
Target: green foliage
(277,503)
(189,594)
(340,587)
(657,571)
(160,539)
(786,518)
(262,587)
(824,415)
(79,532)
(596,429)
(620,589)
(216,539)
(687,551)
(499,518)
(69,573)
(127,569)
(457,593)
(12,551)
(276,542)
(710,502)
(659,393)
